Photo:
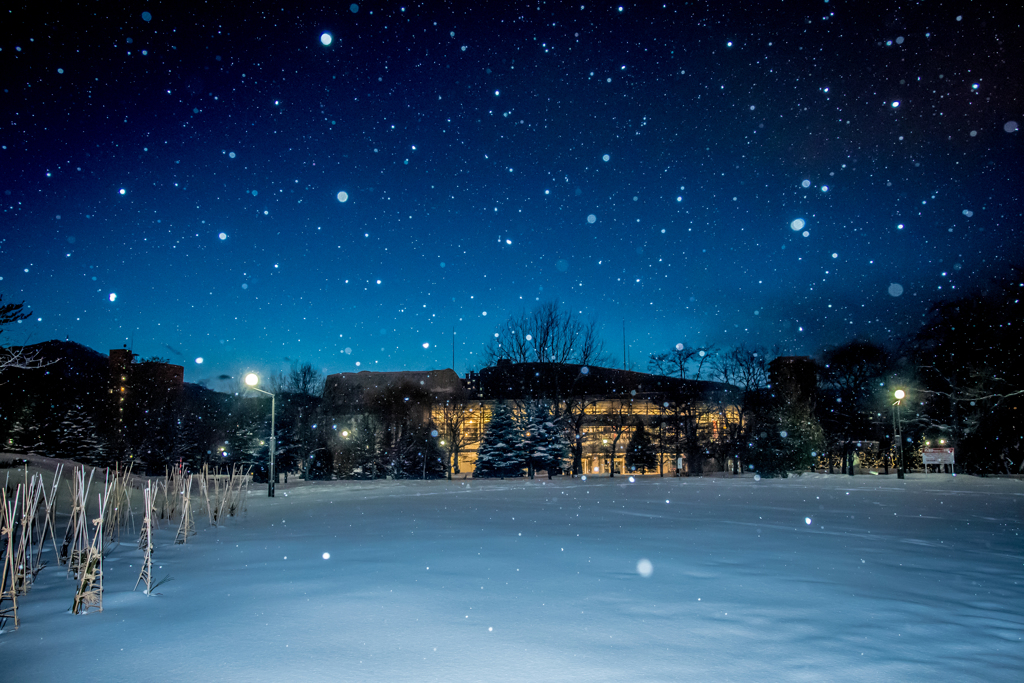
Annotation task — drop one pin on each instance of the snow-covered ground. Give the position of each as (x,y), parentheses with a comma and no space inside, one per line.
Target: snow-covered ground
(809,578)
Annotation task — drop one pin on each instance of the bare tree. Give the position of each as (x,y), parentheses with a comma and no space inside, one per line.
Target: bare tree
(617,421)
(853,377)
(686,411)
(547,334)
(571,411)
(305,379)
(746,370)
(682,359)
(12,357)
(453,417)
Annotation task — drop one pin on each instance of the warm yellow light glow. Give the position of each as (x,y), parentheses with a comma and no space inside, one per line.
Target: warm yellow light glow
(900,394)
(252,379)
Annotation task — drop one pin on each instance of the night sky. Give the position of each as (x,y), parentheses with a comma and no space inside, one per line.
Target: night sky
(348,184)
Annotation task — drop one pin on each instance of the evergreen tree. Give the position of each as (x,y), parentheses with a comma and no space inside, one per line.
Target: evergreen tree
(250,449)
(25,435)
(188,444)
(289,450)
(790,441)
(79,439)
(501,453)
(544,447)
(320,465)
(367,442)
(154,439)
(640,452)
(420,456)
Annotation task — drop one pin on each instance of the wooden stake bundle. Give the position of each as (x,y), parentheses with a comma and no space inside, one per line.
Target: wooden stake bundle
(175,486)
(7,571)
(223,497)
(76,538)
(232,496)
(49,517)
(90,582)
(204,491)
(162,486)
(25,570)
(146,540)
(120,509)
(187,527)
(244,482)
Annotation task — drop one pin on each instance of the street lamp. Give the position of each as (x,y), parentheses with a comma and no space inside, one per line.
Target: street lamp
(897,431)
(252,379)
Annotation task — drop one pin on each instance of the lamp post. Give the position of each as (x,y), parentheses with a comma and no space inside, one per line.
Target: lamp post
(897,431)
(252,379)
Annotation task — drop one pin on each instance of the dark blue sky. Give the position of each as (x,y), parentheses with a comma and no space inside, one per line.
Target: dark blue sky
(171,179)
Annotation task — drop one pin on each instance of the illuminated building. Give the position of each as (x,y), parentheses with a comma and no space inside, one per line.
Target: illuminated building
(137,390)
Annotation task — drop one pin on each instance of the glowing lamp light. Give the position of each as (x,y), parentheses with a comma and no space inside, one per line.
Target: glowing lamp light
(900,394)
(252,379)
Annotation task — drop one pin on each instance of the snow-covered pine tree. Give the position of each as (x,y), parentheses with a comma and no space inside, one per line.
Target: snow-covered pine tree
(25,435)
(501,453)
(249,448)
(544,446)
(640,453)
(79,438)
(419,455)
(187,443)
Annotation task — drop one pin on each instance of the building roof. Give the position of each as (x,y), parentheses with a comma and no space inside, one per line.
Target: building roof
(523,380)
(356,386)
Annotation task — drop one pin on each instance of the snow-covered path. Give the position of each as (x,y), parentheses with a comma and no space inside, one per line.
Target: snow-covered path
(809,578)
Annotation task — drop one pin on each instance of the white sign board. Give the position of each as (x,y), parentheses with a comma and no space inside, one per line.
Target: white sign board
(937,456)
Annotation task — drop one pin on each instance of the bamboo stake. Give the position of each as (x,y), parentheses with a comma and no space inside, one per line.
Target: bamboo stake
(90,585)
(204,489)
(77,537)
(7,589)
(187,527)
(146,541)
(30,503)
(49,519)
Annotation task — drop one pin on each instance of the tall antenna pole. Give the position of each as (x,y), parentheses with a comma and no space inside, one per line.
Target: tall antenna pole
(453,348)
(624,361)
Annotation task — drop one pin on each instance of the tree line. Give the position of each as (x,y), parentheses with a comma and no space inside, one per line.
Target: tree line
(959,370)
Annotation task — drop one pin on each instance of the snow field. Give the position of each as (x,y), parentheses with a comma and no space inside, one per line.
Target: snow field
(542,581)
